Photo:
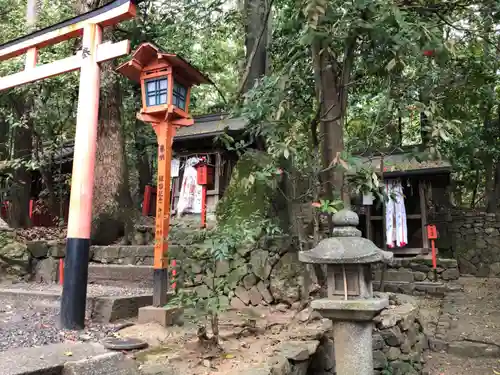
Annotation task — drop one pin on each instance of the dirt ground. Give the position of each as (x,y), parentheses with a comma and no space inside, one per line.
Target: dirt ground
(476,311)
(475,318)
(243,341)
(445,364)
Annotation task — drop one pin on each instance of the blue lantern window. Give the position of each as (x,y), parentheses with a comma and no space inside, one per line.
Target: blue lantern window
(179,96)
(156,91)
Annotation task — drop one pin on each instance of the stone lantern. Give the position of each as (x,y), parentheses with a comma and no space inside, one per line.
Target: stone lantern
(350,302)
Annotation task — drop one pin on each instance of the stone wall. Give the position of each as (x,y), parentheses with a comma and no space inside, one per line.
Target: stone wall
(263,273)
(415,276)
(398,345)
(475,238)
(14,257)
(398,340)
(258,274)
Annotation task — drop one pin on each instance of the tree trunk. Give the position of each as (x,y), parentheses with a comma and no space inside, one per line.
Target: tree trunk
(256,31)
(474,191)
(142,162)
(21,189)
(332,92)
(112,205)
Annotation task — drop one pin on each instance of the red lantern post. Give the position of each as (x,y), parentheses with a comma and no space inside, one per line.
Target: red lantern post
(202,179)
(166,80)
(432,236)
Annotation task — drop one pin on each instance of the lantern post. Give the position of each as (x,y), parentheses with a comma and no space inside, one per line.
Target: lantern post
(166,80)
(202,177)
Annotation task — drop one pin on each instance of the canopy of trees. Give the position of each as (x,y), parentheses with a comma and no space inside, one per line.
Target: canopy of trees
(318,80)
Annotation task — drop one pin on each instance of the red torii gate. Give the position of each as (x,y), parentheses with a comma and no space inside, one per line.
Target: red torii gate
(93,52)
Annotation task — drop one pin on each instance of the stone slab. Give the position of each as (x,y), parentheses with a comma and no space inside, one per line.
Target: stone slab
(166,316)
(103,364)
(106,273)
(358,310)
(109,309)
(46,360)
(468,349)
(29,294)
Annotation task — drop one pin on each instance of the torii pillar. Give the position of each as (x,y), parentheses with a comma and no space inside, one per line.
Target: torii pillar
(87,60)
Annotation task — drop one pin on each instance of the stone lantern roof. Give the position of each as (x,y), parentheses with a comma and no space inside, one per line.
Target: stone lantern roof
(346,246)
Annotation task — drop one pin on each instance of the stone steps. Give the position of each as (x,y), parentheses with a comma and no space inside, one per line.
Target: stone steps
(115,274)
(104,303)
(436,289)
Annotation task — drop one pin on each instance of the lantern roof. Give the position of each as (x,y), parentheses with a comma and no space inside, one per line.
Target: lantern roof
(147,53)
(346,246)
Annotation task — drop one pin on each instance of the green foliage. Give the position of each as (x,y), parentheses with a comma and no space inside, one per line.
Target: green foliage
(432,60)
(327,206)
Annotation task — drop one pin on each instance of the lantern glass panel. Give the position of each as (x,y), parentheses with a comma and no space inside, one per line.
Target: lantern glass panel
(156,91)
(179,96)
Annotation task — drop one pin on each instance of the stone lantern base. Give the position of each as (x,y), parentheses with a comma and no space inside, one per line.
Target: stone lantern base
(352,331)
(353,310)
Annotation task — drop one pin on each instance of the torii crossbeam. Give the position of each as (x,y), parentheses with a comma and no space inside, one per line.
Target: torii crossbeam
(93,52)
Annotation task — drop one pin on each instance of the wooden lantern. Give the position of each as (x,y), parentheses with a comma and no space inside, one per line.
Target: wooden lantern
(166,80)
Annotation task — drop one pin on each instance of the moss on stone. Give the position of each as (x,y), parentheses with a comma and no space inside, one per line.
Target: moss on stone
(244,198)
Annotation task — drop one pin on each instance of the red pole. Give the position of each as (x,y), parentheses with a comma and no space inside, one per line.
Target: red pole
(146,205)
(203,206)
(31,208)
(434,259)
(165,134)
(174,274)
(61,271)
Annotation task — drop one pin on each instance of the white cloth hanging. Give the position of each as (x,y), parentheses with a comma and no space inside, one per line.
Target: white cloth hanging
(395,215)
(190,194)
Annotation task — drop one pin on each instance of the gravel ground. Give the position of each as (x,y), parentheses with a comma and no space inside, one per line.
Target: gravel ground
(31,321)
(35,323)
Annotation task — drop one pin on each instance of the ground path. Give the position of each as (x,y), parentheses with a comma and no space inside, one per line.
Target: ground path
(464,329)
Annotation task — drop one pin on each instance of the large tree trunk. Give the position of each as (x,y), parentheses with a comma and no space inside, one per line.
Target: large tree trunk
(142,161)
(256,40)
(112,205)
(21,189)
(331,91)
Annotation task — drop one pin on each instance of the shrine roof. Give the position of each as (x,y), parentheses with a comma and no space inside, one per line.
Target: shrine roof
(210,126)
(403,163)
(205,126)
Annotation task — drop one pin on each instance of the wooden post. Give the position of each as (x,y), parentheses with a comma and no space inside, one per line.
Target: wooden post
(384,227)
(203,223)
(368,217)
(423,214)
(165,134)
